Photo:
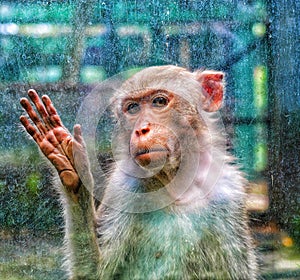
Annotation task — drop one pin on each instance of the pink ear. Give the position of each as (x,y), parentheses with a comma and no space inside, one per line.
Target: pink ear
(212,85)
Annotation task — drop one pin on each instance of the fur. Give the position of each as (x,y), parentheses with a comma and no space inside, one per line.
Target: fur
(192,227)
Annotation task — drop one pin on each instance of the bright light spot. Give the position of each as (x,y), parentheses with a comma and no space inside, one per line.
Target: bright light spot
(54,73)
(287,241)
(44,29)
(9,29)
(260,151)
(48,74)
(92,74)
(259,29)
(12,29)
(5,11)
(260,88)
(38,30)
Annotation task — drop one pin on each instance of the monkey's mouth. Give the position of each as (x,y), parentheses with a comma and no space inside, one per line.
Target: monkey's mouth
(149,151)
(145,157)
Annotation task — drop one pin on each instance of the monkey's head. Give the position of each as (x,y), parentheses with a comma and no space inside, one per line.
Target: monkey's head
(159,109)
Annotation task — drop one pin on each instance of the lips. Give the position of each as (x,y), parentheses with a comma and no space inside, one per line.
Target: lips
(149,151)
(153,156)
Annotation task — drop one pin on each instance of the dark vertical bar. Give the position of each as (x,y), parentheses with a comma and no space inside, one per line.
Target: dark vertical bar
(75,46)
(112,52)
(284,110)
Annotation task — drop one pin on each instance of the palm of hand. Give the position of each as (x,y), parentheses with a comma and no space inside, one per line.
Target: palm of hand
(53,139)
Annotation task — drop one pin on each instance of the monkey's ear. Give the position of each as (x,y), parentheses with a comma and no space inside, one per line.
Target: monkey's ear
(212,85)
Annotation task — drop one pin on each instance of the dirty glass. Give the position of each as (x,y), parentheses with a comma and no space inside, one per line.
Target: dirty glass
(64,48)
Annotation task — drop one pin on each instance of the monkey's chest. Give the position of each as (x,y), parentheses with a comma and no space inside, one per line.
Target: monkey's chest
(159,249)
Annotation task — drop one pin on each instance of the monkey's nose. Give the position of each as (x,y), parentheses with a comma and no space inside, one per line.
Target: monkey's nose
(142,131)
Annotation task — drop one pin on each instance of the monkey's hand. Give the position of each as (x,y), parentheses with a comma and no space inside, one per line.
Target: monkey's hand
(54,140)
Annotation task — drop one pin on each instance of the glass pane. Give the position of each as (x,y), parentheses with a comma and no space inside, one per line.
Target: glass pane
(65,49)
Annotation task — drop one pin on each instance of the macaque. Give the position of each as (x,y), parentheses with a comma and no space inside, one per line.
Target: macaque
(174,202)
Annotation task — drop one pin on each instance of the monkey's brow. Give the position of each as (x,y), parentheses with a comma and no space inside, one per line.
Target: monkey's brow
(143,94)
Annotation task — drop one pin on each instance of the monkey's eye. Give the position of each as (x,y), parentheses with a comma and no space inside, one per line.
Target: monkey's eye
(132,108)
(160,101)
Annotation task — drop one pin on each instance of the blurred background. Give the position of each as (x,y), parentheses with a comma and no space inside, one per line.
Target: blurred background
(64,48)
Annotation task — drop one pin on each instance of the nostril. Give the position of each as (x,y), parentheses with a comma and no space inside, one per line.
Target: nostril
(142,131)
(145,130)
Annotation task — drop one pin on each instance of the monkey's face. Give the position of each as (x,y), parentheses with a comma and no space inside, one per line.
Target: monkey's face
(149,116)
(159,113)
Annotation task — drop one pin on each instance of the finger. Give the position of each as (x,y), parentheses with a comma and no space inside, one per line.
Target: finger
(52,113)
(33,116)
(78,134)
(31,130)
(39,106)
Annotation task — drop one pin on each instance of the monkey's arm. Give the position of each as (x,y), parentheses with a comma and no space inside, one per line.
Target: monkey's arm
(68,155)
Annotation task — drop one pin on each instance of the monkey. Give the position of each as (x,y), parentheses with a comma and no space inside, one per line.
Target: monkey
(174,202)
